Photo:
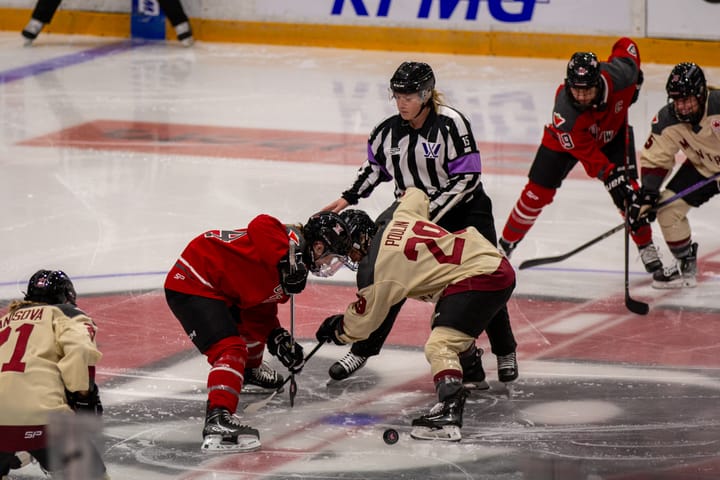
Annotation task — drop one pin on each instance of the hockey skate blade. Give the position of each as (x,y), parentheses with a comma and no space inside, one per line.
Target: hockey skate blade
(215,444)
(472,385)
(257,390)
(448,433)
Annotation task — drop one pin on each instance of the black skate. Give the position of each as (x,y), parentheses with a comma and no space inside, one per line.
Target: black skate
(346,366)
(507,367)
(682,274)
(31,31)
(224,433)
(473,371)
(444,420)
(262,379)
(506,248)
(184,34)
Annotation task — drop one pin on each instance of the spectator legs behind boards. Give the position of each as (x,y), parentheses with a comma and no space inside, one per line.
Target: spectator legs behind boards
(45,10)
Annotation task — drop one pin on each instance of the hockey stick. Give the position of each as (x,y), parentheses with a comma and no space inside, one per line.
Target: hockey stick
(535,262)
(255,406)
(293,384)
(635,306)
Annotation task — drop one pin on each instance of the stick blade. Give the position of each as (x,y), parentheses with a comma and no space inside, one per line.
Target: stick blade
(536,262)
(636,307)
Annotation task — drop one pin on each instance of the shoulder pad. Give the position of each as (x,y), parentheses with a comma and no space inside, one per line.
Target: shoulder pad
(662,120)
(564,114)
(623,72)
(69,310)
(713,106)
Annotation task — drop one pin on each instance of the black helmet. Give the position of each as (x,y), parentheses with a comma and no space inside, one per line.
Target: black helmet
(329,228)
(51,286)
(687,80)
(583,70)
(412,77)
(362,230)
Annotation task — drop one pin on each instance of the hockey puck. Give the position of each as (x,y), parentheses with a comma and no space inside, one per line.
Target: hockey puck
(391,436)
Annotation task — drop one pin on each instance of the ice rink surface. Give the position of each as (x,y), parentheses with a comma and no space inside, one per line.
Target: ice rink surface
(115,154)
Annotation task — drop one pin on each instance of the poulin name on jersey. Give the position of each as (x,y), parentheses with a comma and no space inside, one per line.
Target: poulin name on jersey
(395,234)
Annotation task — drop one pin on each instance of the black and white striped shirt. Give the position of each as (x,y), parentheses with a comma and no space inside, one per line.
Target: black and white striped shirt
(441,159)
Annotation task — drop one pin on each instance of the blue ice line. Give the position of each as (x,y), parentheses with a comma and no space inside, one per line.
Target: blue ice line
(90,277)
(69,60)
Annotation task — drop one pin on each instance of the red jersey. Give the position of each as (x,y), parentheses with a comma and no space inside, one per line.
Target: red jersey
(238,267)
(582,133)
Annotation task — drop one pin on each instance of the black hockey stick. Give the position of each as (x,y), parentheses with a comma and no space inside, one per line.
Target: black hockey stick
(635,306)
(255,406)
(293,384)
(535,262)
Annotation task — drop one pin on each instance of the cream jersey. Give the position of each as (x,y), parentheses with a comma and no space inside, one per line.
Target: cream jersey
(44,349)
(412,257)
(700,144)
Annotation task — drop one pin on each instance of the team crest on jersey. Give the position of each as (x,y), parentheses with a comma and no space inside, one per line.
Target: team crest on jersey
(558,119)
(619,106)
(715,125)
(293,236)
(632,50)
(431,149)
(278,294)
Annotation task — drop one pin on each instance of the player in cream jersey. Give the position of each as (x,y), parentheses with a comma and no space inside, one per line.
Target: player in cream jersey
(411,257)
(689,123)
(47,356)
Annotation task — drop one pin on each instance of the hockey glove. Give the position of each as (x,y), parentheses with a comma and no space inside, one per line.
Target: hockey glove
(618,187)
(638,85)
(330,329)
(89,403)
(281,345)
(642,204)
(293,275)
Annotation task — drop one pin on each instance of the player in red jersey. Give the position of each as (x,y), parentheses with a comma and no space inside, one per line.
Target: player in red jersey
(589,125)
(224,289)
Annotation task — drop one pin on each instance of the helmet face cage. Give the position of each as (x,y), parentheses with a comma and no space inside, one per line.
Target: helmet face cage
(362,230)
(687,80)
(331,230)
(583,71)
(51,286)
(413,77)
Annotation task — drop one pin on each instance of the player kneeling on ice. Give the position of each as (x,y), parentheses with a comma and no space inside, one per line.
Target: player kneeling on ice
(410,257)
(225,289)
(48,355)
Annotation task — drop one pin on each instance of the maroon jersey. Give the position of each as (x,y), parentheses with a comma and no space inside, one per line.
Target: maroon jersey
(236,266)
(583,132)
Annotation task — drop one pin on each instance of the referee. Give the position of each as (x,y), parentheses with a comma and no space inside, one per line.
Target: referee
(430,146)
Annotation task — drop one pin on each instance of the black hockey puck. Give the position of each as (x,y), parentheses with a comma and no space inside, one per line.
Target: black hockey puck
(391,436)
